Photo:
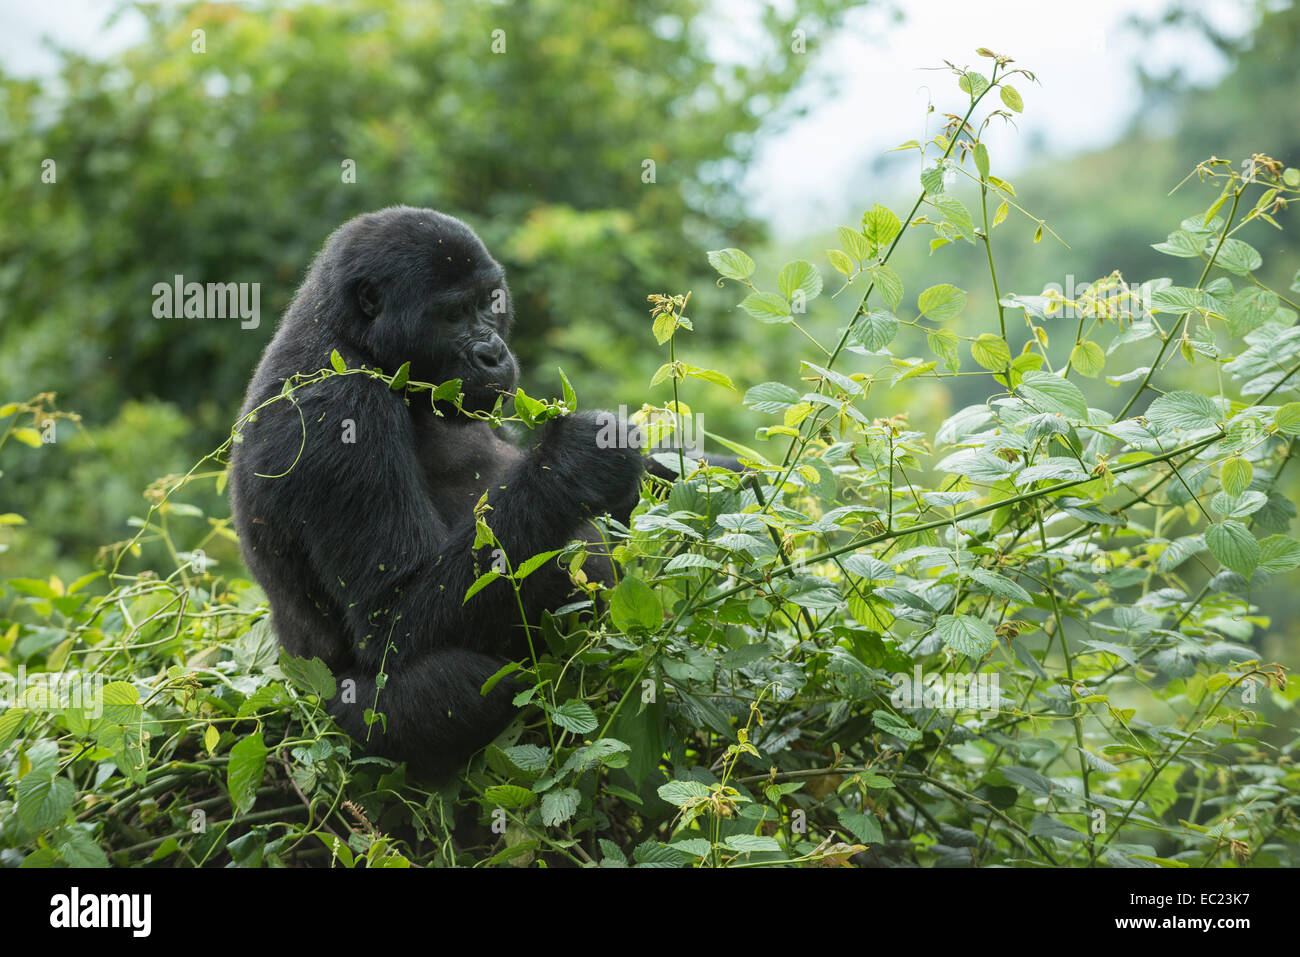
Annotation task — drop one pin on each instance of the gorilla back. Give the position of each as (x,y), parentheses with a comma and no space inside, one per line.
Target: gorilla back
(354,507)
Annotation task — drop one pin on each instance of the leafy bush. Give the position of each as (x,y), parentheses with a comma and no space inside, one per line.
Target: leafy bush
(1025,640)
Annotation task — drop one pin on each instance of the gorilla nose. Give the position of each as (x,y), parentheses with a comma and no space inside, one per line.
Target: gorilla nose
(488,355)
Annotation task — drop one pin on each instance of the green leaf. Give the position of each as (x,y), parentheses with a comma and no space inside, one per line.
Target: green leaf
(509,796)
(889,284)
(1088,359)
(528,757)
(1234,546)
(1183,410)
(710,375)
(892,724)
(558,806)
(875,330)
(534,563)
(767,307)
(43,799)
(575,716)
(865,827)
(1182,244)
(966,634)
(982,160)
(480,583)
(854,243)
(401,377)
(773,397)
(1278,554)
(1237,257)
(799,276)
(940,303)
(943,343)
(880,225)
(751,843)
(679,793)
(447,391)
(932,179)
(1046,826)
(956,214)
(991,352)
(841,261)
(635,605)
(337,362)
(732,263)
(973,83)
(244,773)
(1287,418)
(1050,393)
(1235,475)
(309,674)
(1012,99)
(78,849)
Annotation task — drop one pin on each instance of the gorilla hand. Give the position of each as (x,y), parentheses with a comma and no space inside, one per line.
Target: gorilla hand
(595,460)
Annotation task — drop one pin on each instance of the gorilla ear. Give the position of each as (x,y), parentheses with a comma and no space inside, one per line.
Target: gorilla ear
(368,298)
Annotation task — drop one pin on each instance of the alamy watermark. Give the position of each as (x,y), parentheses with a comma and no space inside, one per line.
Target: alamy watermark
(179,299)
(946,692)
(53,691)
(652,430)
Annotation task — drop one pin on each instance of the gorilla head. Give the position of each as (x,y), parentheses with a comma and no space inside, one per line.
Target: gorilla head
(420,284)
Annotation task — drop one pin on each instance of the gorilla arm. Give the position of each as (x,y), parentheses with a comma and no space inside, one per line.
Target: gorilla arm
(400,581)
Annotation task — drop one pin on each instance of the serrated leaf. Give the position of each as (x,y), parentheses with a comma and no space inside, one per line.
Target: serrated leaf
(244,772)
(1287,418)
(559,805)
(889,284)
(875,330)
(767,307)
(1234,546)
(308,674)
(880,225)
(1278,554)
(509,796)
(43,800)
(771,397)
(480,583)
(575,717)
(1011,97)
(940,303)
(731,263)
(1183,410)
(799,276)
(751,843)
(1051,393)
(1088,359)
(680,793)
(1235,475)
(991,352)
(966,634)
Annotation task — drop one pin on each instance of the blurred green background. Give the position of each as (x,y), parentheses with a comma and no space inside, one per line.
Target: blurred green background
(226,164)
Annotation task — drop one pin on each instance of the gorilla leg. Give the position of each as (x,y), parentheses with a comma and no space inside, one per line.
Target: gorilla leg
(432,708)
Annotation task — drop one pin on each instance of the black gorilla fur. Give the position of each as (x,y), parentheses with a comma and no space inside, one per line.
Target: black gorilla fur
(365,549)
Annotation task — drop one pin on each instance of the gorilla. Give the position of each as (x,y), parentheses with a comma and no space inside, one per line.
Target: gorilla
(355,506)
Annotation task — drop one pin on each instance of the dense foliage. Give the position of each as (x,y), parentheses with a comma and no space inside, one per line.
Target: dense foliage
(1027,639)
(229,142)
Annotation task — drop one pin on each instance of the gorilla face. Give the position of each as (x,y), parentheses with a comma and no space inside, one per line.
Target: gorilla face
(425,290)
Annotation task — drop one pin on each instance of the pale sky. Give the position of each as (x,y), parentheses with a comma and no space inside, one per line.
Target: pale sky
(821,167)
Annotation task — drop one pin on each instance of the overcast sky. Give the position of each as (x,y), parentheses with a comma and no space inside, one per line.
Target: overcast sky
(819,168)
